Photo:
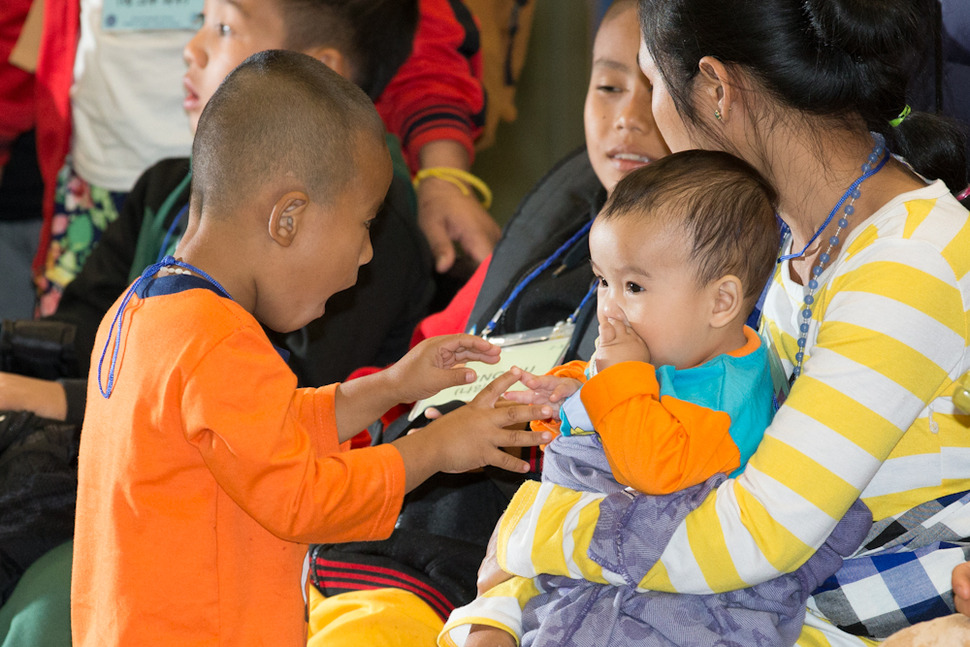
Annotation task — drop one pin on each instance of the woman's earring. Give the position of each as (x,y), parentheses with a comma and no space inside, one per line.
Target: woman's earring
(717,114)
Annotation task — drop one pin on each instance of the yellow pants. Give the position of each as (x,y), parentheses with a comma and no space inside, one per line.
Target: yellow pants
(375,618)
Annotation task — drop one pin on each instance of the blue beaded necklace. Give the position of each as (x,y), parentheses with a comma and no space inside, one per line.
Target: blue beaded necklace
(874,163)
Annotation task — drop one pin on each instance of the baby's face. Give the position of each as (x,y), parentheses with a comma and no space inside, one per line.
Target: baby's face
(620,131)
(232,30)
(647,282)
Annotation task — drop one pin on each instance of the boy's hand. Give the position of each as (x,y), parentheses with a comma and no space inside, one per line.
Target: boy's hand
(544,389)
(438,363)
(472,436)
(618,343)
(485,636)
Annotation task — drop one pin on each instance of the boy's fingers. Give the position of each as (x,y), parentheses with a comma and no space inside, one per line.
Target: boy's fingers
(506,461)
(474,342)
(494,390)
(476,356)
(509,416)
(455,377)
(519,438)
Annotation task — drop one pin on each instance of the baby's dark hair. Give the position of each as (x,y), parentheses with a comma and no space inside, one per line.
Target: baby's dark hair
(845,60)
(724,206)
(280,112)
(374,35)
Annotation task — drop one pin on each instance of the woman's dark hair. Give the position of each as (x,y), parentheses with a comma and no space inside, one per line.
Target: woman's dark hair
(842,59)
(375,35)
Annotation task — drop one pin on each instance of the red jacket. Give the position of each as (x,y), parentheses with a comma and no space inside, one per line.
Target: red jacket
(436,94)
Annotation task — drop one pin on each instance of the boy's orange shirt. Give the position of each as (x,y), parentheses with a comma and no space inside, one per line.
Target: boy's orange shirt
(203,477)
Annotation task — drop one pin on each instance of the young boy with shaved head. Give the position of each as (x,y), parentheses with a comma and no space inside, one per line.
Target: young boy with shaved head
(199,455)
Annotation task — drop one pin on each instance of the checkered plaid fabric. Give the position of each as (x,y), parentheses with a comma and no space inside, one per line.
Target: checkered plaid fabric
(901,574)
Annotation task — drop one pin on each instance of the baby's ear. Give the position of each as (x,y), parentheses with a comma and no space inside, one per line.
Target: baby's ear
(287,216)
(332,58)
(727,300)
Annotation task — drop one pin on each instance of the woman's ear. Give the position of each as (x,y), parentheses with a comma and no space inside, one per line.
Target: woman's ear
(287,216)
(727,300)
(717,88)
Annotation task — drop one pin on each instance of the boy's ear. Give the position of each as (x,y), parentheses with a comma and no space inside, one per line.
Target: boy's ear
(728,299)
(287,216)
(717,87)
(332,58)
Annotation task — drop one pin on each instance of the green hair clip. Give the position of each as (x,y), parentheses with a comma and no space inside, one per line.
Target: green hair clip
(898,120)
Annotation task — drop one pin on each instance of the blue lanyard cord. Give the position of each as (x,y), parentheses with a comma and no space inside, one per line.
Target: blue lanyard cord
(845,196)
(163,250)
(150,271)
(589,295)
(490,326)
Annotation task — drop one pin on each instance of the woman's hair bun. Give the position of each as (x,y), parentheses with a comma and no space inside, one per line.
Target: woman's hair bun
(864,29)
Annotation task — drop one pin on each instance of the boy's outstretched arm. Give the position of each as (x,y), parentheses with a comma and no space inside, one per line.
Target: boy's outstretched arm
(435,364)
(472,436)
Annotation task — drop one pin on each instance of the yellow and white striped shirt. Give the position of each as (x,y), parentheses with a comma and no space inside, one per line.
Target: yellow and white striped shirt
(870,416)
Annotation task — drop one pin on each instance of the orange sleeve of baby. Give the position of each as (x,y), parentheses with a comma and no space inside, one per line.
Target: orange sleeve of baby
(656,445)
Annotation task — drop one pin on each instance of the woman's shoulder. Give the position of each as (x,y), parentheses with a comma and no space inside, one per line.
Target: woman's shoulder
(927,216)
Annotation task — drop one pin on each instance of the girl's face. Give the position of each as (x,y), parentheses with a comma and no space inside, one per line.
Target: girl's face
(231,31)
(668,120)
(620,131)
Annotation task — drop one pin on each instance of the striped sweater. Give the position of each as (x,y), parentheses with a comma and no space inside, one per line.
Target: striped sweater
(870,416)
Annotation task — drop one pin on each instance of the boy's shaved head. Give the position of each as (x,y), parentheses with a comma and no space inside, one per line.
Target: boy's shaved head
(280,113)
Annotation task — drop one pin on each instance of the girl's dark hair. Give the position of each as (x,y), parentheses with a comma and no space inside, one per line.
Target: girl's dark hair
(724,206)
(842,59)
(375,35)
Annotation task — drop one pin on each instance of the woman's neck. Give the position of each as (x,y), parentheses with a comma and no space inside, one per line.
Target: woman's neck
(812,172)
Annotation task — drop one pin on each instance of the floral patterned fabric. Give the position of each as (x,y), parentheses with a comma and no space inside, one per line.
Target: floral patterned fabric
(81,212)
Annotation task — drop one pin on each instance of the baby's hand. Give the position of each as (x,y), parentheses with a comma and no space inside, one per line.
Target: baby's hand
(438,363)
(619,343)
(544,389)
(486,636)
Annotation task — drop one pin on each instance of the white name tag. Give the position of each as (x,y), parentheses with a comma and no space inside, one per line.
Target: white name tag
(150,15)
(536,351)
